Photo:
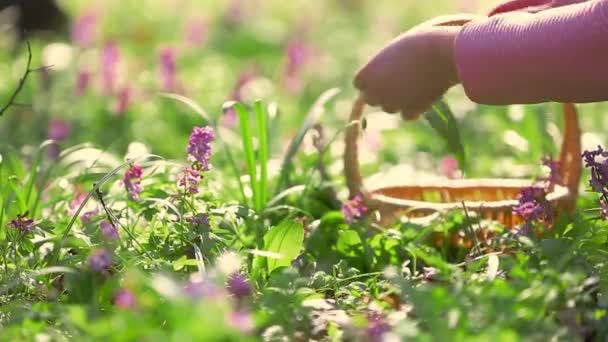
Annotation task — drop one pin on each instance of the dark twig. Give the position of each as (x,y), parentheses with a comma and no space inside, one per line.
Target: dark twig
(112,219)
(28,70)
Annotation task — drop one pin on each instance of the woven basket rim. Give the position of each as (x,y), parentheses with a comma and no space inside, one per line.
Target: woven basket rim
(557,194)
(431,183)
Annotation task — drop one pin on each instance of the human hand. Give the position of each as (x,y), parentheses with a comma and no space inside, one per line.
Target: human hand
(414,69)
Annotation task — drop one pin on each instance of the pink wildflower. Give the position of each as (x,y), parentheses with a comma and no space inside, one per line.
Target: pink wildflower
(100,260)
(199,147)
(58,129)
(241,320)
(110,56)
(189,180)
(196,32)
(124,299)
(83,79)
(448,167)
(167,69)
(354,209)
(132,181)
(108,230)
(84,29)
(123,98)
(22,223)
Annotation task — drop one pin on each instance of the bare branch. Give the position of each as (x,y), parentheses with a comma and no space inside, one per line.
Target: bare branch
(28,70)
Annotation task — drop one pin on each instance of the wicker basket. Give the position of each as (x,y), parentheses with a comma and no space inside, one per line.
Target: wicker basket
(491,199)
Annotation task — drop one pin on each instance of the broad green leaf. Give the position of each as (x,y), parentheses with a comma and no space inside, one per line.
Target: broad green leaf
(349,243)
(286,240)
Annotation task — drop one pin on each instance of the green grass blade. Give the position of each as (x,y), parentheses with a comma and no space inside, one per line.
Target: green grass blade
(441,118)
(261,118)
(190,103)
(247,138)
(311,118)
(2,236)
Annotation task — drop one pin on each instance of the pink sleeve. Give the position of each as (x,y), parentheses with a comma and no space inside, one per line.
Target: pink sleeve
(560,54)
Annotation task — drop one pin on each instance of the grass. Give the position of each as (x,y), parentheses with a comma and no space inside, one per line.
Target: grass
(262,251)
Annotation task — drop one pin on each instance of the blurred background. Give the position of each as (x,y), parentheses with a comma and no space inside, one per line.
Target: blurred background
(109,62)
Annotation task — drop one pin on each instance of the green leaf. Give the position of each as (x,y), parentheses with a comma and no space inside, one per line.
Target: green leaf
(349,243)
(441,118)
(285,240)
(183,262)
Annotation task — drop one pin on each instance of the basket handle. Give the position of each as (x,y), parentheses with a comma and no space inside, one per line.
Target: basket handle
(354,181)
(569,161)
(570,165)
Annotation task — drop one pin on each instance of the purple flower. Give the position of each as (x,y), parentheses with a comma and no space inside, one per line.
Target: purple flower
(196,32)
(83,29)
(58,129)
(589,156)
(100,260)
(83,79)
(167,69)
(77,200)
(200,221)
(110,56)
(199,147)
(376,327)
(238,286)
(353,209)
(124,299)
(298,53)
(189,180)
(123,98)
(530,194)
(530,210)
(597,163)
(132,181)
(533,207)
(87,216)
(108,230)
(22,223)
(241,320)
(598,169)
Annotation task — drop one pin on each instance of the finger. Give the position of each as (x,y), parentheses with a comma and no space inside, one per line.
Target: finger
(454,19)
(448,20)
(370,99)
(391,108)
(360,81)
(409,115)
(365,76)
(414,111)
(518,5)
